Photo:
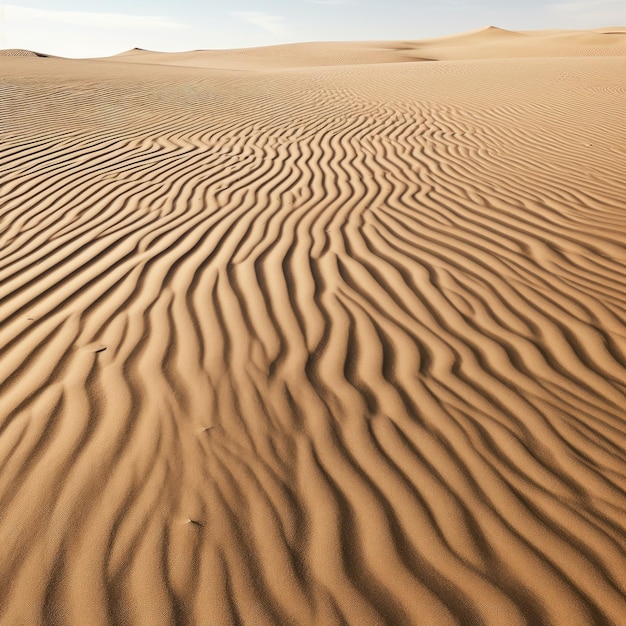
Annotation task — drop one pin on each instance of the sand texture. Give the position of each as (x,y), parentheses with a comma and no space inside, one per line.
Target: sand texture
(315,334)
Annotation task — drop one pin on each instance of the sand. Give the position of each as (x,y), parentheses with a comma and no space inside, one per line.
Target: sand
(315,334)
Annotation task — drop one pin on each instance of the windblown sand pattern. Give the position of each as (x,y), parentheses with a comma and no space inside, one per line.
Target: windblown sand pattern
(318,345)
(16,52)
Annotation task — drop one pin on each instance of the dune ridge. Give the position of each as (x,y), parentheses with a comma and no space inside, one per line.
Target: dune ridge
(324,345)
(18,52)
(485,43)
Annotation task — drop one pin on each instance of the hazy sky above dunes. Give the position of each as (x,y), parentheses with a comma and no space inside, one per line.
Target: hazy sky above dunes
(81,28)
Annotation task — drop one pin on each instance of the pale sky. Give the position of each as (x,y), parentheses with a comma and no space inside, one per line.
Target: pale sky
(83,28)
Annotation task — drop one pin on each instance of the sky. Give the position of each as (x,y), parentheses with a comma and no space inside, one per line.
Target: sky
(86,28)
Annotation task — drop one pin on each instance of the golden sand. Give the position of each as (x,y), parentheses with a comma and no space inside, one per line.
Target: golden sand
(315,334)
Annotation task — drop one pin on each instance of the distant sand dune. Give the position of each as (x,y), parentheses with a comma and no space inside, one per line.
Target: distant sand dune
(313,346)
(16,52)
(484,43)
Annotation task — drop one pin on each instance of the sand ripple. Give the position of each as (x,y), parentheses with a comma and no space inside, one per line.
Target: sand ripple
(338,345)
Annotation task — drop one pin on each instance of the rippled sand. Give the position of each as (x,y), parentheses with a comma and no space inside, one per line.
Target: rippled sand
(315,334)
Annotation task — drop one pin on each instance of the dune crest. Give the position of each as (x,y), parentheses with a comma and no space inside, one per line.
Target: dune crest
(485,43)
(17,52)
(320,345)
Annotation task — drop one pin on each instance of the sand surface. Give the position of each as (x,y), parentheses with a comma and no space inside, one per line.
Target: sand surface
(315,334)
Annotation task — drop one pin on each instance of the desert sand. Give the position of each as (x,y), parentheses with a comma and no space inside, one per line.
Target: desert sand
(315,334)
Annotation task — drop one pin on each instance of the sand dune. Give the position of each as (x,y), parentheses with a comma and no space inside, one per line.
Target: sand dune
(322,345)
(485,43)
(17,52)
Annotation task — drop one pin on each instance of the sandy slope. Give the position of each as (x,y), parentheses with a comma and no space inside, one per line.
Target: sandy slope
(319,345)
(485,43)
